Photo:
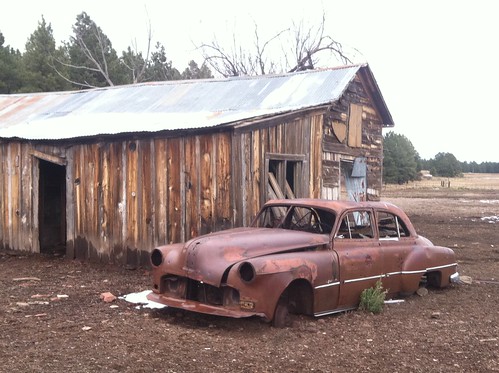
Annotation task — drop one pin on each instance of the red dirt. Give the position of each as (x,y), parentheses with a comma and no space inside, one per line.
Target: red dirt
(455,329)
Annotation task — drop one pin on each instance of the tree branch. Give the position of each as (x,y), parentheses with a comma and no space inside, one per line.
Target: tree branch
(306,46)
(85,85)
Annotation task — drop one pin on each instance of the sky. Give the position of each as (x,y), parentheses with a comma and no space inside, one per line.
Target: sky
(434,61)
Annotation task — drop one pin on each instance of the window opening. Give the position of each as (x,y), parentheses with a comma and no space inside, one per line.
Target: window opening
(391,226)
(284,179)
(305,219)
(356,225)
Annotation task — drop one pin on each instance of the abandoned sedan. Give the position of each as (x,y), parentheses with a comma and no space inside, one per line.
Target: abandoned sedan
(306,256)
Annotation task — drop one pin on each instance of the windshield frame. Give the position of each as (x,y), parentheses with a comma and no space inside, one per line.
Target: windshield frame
(296,217)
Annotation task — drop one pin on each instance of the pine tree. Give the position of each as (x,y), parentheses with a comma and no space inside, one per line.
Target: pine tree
(37,71)
(160,68)
(194,72)
(94,62)
(9,68)
(399,159)
(135,64)
(446,164)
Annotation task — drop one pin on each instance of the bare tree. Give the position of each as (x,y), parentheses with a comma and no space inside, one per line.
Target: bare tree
(309,42)
(237,60)
(299,46)
(89,55)
(95,65)
(92,62)
(134,61)
(96,57)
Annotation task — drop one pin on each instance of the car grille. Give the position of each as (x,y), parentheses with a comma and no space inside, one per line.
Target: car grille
(186,288)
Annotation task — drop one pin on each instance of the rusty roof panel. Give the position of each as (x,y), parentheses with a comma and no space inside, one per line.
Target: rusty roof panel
(171,105)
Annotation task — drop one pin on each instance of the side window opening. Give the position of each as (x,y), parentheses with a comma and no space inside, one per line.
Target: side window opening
(356,225)
(391,227)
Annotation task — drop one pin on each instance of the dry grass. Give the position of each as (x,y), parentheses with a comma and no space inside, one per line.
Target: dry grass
(467,181)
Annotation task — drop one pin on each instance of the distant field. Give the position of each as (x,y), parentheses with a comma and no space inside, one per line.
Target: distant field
(468,181)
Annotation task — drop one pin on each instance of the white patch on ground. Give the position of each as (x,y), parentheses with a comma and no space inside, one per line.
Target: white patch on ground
(491,219)
(489,201)
(141,299)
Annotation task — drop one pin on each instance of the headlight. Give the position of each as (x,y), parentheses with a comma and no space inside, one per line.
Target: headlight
(247,272)
(156,257)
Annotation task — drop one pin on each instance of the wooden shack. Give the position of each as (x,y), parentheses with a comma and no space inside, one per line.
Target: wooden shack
(108,174)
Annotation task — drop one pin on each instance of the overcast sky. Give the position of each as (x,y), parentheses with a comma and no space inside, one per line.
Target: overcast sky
(436,62)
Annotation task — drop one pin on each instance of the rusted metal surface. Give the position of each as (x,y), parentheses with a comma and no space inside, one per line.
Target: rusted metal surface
(316,256)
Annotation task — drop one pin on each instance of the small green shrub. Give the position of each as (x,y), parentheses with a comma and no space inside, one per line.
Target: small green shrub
(372,299)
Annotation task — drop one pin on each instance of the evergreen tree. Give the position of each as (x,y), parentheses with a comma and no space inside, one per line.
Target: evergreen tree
(194,72)
(399,159)
(9,72)
(94,62)
(446,164)
(135,64)
(160,68)
(37,72)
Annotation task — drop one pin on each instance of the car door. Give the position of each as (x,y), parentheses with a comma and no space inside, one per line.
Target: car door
(396,244)
(326,284)
(360,257)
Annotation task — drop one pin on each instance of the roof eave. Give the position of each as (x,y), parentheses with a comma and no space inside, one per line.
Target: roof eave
(374,92)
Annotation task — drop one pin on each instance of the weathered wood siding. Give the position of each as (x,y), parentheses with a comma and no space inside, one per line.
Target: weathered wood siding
(135,195)
(289,137)
(125,196)
(337,148)
(19,176)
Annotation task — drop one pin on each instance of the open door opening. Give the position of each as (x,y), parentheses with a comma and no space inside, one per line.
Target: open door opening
(353,184)
(52,208)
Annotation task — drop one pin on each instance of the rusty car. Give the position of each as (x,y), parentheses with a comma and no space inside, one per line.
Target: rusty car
(302,256)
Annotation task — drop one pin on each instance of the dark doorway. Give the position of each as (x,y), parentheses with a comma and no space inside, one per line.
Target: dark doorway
(52,208)
(353,185)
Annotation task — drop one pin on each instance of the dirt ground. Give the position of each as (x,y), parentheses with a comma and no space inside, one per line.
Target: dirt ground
(56,321)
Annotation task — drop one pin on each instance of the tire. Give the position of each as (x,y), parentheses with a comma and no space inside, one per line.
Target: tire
(434,279)
(282,316)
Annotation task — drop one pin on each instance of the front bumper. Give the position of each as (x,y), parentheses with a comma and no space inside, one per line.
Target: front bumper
(195,306)
(454,278)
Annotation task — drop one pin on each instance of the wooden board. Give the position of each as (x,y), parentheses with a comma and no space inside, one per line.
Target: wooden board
(355,126)
(174,193)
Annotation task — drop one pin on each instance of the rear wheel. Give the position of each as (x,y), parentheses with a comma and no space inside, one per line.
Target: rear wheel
(434,279)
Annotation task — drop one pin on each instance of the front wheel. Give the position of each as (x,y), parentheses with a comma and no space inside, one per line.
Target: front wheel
(282,317)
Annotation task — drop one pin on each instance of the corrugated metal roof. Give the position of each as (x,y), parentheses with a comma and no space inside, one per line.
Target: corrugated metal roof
(172,105)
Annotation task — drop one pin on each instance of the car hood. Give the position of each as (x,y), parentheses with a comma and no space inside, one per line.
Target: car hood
(206,258)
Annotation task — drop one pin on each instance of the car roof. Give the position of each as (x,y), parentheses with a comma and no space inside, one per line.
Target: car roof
(337,206)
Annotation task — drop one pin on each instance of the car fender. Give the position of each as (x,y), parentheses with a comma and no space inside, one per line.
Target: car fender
(167,256)
(273,274)
(413,268)
(423,259)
